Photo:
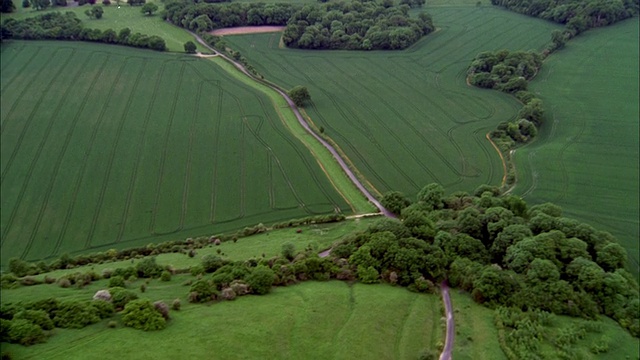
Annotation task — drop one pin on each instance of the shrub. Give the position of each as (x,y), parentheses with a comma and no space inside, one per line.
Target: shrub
(8,281)
(112,324)
(106,2)
(148,268)
(64,283)
(261,279)
(121,296)
(288,250)
(165,276)
(175,305)
(201,291)
(228,294)
(38,317)
(368,275)
(211,263)
(49,280)
(116,281)
(103,295)
(49,305)
(25,332)
(29,281)
(143,288)
(162,308)
(141,314)
(106,273)
(103,309)
(75,315)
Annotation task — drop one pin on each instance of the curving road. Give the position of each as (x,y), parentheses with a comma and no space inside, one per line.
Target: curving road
(446,352)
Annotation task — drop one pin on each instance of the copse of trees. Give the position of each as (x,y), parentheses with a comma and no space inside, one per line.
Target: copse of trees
(66,26)
(501,251)
(356,25)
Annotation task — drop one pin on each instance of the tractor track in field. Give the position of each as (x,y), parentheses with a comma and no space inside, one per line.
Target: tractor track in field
(450,334)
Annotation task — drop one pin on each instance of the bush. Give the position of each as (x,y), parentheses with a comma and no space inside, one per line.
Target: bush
(201,291)
(211,263)
(112,324)
(37,317)
(25,332)
(116,281)
(162,308)
(165,276)
(103,309)
(75,315)
(288,250)
(368,275)
(121,296)
(261,279)
(103,295)
(64,283)
(175,305)
(148,268)
(228,294)
(142,315)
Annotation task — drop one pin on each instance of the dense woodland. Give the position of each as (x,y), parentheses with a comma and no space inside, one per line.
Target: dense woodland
(59,26)
(350,25)
(356,25)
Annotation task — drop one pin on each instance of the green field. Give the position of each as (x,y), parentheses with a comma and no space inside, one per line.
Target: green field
(108,147)
(118,18)
(586,159)
(314,320)
(407,118)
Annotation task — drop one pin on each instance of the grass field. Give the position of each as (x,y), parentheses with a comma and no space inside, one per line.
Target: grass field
(118,18)
(112,147)
(311,320)
(586,159)
(407,118)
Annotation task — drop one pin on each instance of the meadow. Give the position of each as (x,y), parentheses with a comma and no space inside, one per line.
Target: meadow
(107,147)
(586,158)
(328,320)
(407,118)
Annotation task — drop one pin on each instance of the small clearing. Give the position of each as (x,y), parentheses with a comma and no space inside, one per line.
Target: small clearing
(246,30)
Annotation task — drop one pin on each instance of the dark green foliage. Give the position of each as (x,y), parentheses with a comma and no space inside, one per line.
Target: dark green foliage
(6,6)
(288,250)
(211,263)
(148,268)
(299,95)
(260,280)
(95,12)
(103,309)
(395,201)
(368,275)
(21,268)
(355,26)
(149,8)
(202,291)
(38,317)
(121,296)
(116,281)
(25,332)
(58,26)
(75,315)
(165,276)
(190,47)
(142,315)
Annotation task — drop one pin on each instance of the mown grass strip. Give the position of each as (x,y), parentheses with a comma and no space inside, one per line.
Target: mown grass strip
(335,174)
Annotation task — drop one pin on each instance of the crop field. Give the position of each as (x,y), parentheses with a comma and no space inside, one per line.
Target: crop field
(329,320)
(586,159)
(107,147)
(407,118)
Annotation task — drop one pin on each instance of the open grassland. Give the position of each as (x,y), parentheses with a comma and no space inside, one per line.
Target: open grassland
(586,159)
(407,118)
(106,147)
(117,19)
(311,320)
(476,334)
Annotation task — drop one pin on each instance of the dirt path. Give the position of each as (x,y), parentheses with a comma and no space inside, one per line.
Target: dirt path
(241,30)
(448,343)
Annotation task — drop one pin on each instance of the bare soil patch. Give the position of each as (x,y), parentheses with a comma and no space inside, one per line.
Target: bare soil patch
(246,30)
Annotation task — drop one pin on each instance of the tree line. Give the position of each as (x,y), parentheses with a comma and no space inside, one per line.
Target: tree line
(356,25)
(66,26)
(577,15)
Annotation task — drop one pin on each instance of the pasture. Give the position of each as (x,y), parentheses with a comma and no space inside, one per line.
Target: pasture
(586,159)
(329,320)
(109,147)
(117,18)
(407,118)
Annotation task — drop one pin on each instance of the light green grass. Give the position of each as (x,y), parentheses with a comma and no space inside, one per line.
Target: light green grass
(407,118)
(310,320)
(476,335)
(586,159)
(118,18)
(106,146)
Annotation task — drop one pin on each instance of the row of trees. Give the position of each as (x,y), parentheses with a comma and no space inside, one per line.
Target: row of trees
(356,25)
(578,15)
(59,26)
(510,72)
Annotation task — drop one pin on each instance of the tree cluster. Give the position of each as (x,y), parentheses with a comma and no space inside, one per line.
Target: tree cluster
(510,72)
(203,17)
(578,15)
(356,25)
(59,26)
(503,252)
